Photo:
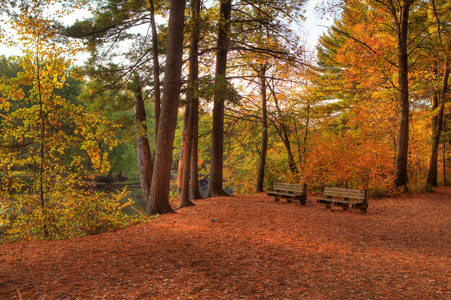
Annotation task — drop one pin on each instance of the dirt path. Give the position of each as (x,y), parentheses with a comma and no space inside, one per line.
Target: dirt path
(249,247)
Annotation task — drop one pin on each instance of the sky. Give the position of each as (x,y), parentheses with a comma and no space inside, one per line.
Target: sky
(314,25)
(310,29)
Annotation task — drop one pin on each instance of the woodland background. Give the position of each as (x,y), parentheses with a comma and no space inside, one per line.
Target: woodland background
(228,84)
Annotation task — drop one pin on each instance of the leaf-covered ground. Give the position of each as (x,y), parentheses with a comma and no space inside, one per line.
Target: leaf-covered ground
(251,248)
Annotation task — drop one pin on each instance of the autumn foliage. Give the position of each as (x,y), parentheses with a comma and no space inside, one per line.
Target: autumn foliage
(368,109)
(50,146)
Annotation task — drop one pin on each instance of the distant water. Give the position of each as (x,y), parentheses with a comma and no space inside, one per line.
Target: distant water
(138,207)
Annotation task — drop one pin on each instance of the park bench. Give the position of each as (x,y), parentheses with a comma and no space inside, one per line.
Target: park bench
(289,191)
(346,198)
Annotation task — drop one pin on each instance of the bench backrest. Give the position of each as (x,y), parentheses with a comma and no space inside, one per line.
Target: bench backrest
(290,187)
(355,194)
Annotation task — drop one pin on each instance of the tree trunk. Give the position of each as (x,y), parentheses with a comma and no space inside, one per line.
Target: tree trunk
(42,167)
(156,66)
(401,25)
(437,125)
(142,142)
(307,124)
(181,165)
(438,101)
(159,192)
(187,146)
(444,163)
(283,133)
(286,141)
(264,128)
(216,164)
(195,192)
(184,195)
(193,100)
(432,173)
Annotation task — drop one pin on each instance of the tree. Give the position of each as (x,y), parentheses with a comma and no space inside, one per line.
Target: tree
(378,13)
(217,147)
(355,88)
(259,31)
(400,17)
(264,129)
(142,142)
(193,107)
(106,30)
(440,31)
(156,65)
(43,177)
(159,192)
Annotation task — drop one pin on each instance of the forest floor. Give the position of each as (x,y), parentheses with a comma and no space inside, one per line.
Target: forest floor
(249,247)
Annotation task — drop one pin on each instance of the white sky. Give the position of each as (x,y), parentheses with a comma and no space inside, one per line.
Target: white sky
(314,25)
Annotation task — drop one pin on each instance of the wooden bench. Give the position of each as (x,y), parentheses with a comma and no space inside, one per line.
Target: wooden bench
(346,198)
(290,191)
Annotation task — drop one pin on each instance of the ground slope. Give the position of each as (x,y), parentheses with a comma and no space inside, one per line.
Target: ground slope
(251,248)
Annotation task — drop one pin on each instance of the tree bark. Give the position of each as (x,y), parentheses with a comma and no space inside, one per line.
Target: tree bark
(437,125)
(142,142)
(159,192)
(156,66)
(181,164)
(401,25)
(283,133)
(42,167)
(438,101)
(195,192)
(216,164)
(432,173)
(184,195)
(264,129)
(307,124)
(444,163)
(193,102)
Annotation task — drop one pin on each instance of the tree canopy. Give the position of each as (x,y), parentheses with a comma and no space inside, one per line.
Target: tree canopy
(227,91)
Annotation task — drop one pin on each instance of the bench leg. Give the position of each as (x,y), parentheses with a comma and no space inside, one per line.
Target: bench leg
(276,198)
(289,200)
(302,200)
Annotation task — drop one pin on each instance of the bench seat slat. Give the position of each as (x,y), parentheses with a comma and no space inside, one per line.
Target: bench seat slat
(346,198)
(284,194)
(344,193)
(289,191)
(328,200)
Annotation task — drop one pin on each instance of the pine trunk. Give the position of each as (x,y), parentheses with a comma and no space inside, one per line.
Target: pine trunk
(181,165)
(159,192)
(195,192)
(184,195)
(437,126)
(142,142)
(216,164)
(264,128)
(444,163)
(156,66)
(193,100)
